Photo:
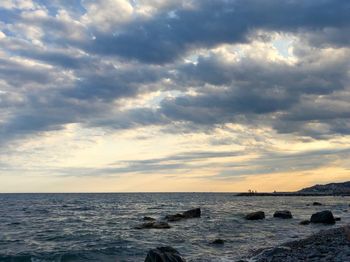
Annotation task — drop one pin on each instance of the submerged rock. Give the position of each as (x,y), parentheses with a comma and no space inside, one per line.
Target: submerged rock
(164,254)
(154,224)
(149,219)
(192,213)
(218,242)
(255,215)
(304,222)
(285,214)
(337,219)
(325,217)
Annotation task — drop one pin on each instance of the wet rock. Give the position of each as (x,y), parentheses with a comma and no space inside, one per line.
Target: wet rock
(285,214)
(317,204)
(304,222)
(164,254)
(255,215)
(173,218)
(337,219)
(154,225)
(218,241)
(325,217)
(192,213)
(149,219)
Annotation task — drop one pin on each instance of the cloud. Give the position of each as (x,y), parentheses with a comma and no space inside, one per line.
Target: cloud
(105,14)
(183,66)
(165,38)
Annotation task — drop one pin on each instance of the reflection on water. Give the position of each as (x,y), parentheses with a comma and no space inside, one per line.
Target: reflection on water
(99,227)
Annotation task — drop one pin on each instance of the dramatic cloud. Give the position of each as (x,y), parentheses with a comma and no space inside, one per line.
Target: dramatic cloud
(246,74)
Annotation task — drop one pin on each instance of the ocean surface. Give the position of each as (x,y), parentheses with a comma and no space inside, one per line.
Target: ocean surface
(100,227)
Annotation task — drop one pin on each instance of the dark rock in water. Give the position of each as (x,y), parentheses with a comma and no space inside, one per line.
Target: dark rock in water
(164,254)
(317,204)
(218,242)
(193,213)
(325,217)
(255,215)
(337,219)
(173,218)
(149,219)
(304,222)
(285,214)
(155,225)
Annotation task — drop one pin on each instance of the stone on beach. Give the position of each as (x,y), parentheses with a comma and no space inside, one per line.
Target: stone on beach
(154,225)
(285,214)
(317,204)
(325,246)
(192,213)
(164,254)
(255,215)
(324,217)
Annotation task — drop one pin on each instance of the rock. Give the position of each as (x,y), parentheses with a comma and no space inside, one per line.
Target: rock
(164,254)
(317,204)
(255,215)
(173,218)
(192,213)
(149,219)
(154,224)
(218,242)
(337,219)
(285,214)
(304,222)
(325,217)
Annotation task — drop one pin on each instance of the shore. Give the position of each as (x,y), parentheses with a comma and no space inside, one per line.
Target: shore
(326,245)
(291,194)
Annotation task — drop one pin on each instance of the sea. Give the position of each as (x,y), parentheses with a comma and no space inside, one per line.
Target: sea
(100,227)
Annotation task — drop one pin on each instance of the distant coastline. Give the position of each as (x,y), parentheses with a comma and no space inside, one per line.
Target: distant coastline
(292,194)
(332,189)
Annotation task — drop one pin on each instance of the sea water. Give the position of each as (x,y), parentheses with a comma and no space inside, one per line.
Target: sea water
(100,227)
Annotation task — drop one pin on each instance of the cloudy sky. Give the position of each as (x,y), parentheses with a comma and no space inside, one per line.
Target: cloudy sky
(173,95)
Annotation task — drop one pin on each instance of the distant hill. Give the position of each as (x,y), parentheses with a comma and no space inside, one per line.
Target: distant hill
(332,188)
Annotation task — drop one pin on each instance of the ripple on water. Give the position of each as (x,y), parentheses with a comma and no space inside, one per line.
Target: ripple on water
(72,227)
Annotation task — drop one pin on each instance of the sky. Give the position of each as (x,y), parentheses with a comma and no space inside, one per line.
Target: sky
(173,95)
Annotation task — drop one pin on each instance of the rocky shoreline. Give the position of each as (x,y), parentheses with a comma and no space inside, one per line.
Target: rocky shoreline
(326,245)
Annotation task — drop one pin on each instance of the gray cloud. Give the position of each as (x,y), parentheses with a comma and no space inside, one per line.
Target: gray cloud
(164,38)
(103,71)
